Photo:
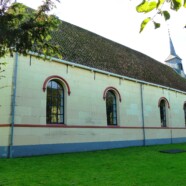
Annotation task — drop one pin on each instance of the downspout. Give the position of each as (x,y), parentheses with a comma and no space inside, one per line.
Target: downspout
(171,136)
(142,114)
(14,83)
(13,106)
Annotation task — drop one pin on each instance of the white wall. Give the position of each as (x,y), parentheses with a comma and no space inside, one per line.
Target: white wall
(85,106)
(6,90)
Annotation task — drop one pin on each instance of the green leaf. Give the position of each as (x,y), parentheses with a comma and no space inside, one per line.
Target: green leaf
(146,6)
(176,4)
(160,2)
(144,23)
(184,4)
(166,15)
(27,30)
(156,25)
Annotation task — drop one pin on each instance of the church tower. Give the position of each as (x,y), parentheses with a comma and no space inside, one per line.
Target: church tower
(173,60)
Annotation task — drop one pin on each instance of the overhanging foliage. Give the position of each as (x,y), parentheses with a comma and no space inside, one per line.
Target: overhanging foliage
(159,8)
(23,30)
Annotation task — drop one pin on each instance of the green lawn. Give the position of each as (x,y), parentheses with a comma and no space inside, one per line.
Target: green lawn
(134,166)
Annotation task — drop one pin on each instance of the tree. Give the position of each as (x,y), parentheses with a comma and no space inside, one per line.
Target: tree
(23,29)
(158,7)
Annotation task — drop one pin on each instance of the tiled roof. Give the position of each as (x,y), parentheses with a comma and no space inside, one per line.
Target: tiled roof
(89,49)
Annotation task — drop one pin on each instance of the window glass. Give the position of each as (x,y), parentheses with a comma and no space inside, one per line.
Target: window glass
(55,102)
(180,66)
(163,113)
(185,112)
(111,108)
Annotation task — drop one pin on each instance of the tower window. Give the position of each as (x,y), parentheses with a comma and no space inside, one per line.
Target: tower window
(180,66)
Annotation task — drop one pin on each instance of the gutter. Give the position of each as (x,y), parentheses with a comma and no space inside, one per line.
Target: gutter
(105,72)
(14,82)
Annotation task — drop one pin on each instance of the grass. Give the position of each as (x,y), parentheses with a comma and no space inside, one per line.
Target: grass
(134,166)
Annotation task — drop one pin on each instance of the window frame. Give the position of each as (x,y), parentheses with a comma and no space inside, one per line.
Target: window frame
(165,110)
(117,99)
(184,110)
(114,118)
(163,113)
(67,91)
(60,103)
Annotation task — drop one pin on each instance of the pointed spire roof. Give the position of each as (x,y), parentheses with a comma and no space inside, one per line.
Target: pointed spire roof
(172,50)
(172,54)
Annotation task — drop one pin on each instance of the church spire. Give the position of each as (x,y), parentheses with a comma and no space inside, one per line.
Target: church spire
(173,60)
(172,50)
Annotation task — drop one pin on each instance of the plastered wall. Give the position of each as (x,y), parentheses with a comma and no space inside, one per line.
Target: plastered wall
(6,86)
(72,135)
(85,106)
(6,79)
(4,136)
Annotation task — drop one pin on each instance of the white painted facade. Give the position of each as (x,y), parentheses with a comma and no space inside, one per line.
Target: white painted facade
(85,124)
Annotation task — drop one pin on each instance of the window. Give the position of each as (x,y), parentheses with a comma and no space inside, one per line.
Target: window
(55,102)
(163,113)
(184,108)
(111,108)
(180,66)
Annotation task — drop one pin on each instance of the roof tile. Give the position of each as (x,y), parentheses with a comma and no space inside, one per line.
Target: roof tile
(84,47)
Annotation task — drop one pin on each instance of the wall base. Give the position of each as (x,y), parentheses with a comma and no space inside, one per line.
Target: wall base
(4,150)
(34,150)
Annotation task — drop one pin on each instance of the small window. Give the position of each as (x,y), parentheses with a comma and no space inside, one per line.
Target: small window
(111,108)
(184,108)
(163,116)
(180,66)
(55,102)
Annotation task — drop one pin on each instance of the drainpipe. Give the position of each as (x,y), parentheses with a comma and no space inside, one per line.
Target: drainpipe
(171,136)
(142,114)
(14,82)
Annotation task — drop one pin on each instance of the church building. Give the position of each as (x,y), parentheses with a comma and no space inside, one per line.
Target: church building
(101,95)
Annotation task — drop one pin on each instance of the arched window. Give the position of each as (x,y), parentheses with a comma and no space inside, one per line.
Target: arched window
(55,102)
(163,116)
(164,106)
(184,108)
(111,108)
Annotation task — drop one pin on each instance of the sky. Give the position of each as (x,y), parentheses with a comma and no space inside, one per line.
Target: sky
(118,20)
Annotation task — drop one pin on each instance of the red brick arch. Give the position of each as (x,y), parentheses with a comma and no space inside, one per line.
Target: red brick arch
(165,99)
(114,90)
(57,78)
